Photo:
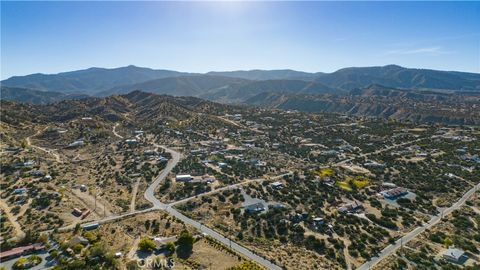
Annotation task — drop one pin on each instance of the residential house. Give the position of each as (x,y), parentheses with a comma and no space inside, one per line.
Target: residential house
(277,185)
(454,255)
(394,193)
(351,207)
(78,240)
(255,208)
(183,177)
(19,251)
(78,143)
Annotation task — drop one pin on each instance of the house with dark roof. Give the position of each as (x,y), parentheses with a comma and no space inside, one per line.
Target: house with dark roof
(255,208)
(352,207)
(395,193)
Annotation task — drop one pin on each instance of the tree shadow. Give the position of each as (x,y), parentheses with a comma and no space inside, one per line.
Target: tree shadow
(183,253)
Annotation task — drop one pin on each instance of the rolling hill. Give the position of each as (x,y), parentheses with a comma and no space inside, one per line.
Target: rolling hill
(239,86)
(179,86)
(90,80)
(452,107)
(259,75)
(400,77)
(25,95)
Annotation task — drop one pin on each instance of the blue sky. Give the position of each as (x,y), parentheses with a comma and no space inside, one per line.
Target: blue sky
(51,37)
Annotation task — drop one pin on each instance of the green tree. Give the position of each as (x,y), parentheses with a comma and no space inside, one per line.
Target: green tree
(54,253)
(146,244)
(447,242)
(90,236)
(170,248)
(185,244)
(20,263)
(77,248)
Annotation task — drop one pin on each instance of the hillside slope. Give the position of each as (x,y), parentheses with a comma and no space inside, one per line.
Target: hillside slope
(25,95)
(384,102)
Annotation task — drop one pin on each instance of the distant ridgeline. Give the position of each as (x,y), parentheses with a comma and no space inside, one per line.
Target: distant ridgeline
(392,91)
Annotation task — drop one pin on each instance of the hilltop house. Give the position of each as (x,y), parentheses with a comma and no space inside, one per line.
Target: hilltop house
(394,193)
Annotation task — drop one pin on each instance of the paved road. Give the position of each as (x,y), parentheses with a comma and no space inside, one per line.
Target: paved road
(239,125)
(150,196)
(230,187)
(377,151)
(150,192)
(411,235)
(227,242)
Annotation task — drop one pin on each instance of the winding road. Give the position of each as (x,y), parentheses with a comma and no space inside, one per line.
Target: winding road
(230,187)
(48,151)
(150,196)
(377,151)
(157,204)
(176,156)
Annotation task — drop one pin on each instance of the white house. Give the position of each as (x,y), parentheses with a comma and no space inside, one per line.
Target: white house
(183,177)
(277,185)
(454,255)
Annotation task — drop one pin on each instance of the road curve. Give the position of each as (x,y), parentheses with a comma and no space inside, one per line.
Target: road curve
(411,235)
(150,196)
(150,192)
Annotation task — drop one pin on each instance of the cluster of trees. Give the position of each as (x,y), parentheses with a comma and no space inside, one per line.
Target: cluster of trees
(184,244)
(24,263)
(96,255)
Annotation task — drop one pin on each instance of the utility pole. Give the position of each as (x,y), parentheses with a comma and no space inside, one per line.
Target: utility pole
(230,236)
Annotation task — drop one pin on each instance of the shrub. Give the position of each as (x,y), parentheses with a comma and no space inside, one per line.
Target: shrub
(146,244)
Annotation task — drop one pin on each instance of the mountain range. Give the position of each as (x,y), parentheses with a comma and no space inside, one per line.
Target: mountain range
(423,106)
(102,81)
(25,95)
(386,91)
